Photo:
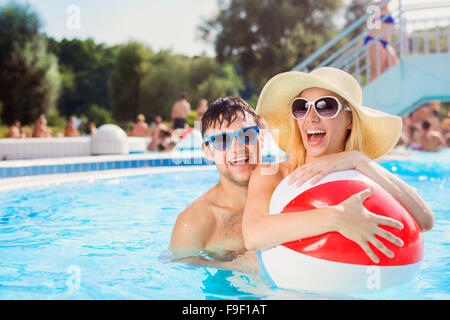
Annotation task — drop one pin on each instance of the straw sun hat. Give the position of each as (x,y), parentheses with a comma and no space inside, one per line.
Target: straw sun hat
(380,130)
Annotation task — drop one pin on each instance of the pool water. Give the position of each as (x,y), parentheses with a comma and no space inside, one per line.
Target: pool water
(108,239)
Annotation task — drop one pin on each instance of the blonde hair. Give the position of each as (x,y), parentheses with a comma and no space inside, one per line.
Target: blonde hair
(297,151)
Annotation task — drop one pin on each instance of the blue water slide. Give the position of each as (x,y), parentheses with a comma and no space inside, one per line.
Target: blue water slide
(415,80)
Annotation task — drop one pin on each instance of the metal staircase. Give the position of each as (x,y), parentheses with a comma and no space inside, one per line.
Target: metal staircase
(423,49)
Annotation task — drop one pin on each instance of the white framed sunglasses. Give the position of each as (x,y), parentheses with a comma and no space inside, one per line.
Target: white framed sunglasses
(327,107)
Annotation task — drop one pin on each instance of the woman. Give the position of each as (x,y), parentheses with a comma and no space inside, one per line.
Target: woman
(381,54)
(315,138)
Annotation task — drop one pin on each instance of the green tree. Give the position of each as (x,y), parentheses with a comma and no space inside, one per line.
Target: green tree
(29,75)
(85,69)
(201,77)
(99,115)
(167,78)
(269,36)
(223,82)
(131,65)
(355,10)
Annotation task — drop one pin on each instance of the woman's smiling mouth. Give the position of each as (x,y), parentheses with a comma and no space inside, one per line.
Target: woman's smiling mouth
(315,137)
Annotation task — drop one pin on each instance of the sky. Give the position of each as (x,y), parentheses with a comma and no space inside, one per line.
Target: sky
(161,24)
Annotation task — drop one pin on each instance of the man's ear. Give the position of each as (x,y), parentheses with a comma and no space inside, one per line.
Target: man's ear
(209,154)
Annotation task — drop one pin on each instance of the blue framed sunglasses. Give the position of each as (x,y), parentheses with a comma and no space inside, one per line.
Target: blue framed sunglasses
(222,141)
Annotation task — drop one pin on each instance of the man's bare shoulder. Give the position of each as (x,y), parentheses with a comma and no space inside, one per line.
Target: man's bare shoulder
(193,227)
(199,213)
(199,210)
(177,104)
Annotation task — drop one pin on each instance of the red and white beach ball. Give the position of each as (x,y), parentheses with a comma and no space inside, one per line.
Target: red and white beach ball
(330,261)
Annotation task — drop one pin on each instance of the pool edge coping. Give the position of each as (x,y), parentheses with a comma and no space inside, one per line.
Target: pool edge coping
(9,184)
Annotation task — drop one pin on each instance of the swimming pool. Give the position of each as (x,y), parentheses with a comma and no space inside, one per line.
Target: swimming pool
(107,239)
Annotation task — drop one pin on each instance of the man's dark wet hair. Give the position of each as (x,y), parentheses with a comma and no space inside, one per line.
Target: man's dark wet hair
(225,111)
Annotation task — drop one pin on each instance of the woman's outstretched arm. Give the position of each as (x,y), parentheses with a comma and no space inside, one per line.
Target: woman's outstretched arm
(400,190)
(347,160)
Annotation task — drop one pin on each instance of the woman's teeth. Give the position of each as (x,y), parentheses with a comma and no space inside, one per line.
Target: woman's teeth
(315,131)
(315,137)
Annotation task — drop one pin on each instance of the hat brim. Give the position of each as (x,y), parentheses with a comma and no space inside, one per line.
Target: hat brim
(380,130)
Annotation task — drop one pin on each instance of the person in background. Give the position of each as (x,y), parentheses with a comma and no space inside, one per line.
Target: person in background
(415,137)
(41,130)
(446,130)
(180,111)
(140,128)
(381,54)
(71,128)
(158,132)
(15,131)
(92,128)
(201,108)
(161,141)
(432,140)
(158,125)
(433,118)
(420,114)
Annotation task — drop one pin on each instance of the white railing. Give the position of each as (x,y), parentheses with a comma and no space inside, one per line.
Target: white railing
(430,35)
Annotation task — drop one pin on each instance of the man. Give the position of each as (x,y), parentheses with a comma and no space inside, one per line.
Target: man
(212,224)
(180,111)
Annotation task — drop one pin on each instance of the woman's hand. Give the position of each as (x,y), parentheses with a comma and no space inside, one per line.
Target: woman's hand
(319,168)
(356,223)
